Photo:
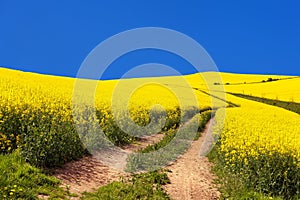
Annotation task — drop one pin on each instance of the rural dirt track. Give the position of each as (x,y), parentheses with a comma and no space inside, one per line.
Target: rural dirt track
(190,177)
(89,173)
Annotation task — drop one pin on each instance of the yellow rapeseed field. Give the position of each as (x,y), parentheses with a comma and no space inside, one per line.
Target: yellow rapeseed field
(40,106)
(284,90)
(258,141)
(261,143)
(256,128)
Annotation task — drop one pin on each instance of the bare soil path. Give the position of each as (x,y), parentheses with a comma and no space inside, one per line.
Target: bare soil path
(90,173)
(191,177)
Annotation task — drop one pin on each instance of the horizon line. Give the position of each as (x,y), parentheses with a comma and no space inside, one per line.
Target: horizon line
(136,77)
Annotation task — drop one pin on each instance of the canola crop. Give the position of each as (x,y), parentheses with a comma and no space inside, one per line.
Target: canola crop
(37,112)
(261,143)
(286,88)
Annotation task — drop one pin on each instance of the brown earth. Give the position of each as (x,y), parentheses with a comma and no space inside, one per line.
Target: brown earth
(190,175)
(89,173)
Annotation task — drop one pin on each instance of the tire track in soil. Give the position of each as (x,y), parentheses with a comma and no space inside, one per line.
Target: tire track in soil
(89,173)
(190,175)
(190,178)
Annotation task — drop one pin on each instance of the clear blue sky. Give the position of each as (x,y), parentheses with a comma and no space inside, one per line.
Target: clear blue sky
(54,37)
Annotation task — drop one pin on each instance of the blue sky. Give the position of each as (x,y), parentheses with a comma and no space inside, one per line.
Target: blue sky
(54,37)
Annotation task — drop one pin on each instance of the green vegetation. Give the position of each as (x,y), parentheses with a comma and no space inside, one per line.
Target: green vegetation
(291,106)
(45,138)
(19,180)
(230,104)
(255,159)
(174,143)
(232,185)
(205,117)
(149,185)
(140,186)
(270,80)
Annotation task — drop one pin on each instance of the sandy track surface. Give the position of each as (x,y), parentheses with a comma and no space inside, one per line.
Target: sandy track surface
(191,177)
(90,173)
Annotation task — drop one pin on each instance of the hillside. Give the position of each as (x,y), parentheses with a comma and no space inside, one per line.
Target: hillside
(146,124)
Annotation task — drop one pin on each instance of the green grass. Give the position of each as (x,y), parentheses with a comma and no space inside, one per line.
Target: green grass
(149,185)
(232,185)
(291,106)
(205,117)
(140,186)
(20,180)
(169,135)
(174,143)
(230,104)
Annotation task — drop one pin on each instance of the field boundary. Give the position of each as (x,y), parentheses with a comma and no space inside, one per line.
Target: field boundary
(291,106)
